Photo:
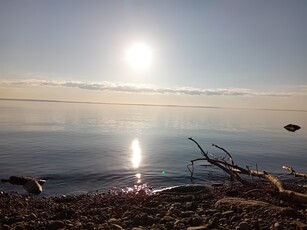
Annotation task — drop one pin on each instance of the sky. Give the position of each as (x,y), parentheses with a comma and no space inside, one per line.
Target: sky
(230,53)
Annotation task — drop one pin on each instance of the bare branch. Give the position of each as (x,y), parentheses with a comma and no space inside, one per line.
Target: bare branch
(229,155)
(201,149)
(220,164)
(233,170)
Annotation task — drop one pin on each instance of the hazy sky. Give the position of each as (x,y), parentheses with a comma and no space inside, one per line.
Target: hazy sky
(233,53)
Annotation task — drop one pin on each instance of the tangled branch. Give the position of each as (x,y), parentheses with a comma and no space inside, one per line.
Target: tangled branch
(234,170)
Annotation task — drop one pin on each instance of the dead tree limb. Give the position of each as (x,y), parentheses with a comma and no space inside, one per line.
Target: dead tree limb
(229,155)
(233,170)
(293,172)
(285,194)
(220,164)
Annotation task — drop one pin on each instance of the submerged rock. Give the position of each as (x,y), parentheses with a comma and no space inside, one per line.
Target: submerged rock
(292,128)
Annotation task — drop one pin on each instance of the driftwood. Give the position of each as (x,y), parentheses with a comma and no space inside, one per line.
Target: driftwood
(30,184)
(234,170)
(293,172)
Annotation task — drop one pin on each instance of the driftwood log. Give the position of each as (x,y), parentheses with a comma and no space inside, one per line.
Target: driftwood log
(293,172)
(30,184)
(234,170)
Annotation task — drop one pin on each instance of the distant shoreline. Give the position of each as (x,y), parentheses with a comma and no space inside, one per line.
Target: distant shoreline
(142,104)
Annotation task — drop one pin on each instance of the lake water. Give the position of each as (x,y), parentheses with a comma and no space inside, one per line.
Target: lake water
(88,147)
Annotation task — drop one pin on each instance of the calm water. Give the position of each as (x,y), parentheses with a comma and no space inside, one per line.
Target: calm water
(86,147)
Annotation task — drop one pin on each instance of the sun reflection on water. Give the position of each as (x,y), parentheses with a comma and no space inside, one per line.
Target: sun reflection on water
(138,176)
(136,153)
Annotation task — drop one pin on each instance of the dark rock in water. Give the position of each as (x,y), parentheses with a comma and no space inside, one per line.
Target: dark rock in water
(292,128)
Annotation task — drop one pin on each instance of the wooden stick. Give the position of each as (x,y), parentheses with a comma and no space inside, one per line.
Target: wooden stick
(293,172)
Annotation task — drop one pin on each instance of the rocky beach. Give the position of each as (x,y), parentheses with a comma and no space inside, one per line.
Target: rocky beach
(232,206)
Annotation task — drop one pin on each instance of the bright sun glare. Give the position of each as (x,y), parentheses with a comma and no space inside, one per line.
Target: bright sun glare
(139,56)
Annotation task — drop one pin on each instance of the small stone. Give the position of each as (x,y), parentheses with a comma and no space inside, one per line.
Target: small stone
(174,211)
(19,227)
(234,218)
(116,226)
(169,225)
(166,219)
(33,216)
(152,204)
(186,214)
(150,220)
(210,211)
(78,224)
(215,221)
(301,225)
(191,206)
(243,226)
(227,213)
(143,217)
(200,211)
(223,219)
(277,226)
(55,225)
(90,225)
(196,221)
(6,227)
(113,221)
(289,212)
(104,226)
(202,227)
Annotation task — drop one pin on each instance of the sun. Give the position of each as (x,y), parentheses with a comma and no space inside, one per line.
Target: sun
(139,56)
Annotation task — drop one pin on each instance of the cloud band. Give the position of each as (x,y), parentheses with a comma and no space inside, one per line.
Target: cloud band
(147,89)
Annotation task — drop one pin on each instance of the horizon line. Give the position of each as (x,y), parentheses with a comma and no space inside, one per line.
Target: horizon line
(144,104)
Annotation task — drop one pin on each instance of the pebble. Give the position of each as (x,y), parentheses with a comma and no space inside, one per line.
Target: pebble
(227,213)
(117,227)
(6,227)
(187,213)
(169,225)
(215,221)
(19,227)
(54,225)
(202,227)
(243,226)
(166,219)
(196,221)
(277,226)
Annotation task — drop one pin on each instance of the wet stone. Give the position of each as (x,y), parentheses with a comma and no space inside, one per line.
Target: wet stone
(166,219)
(196,221)
(227,213)
(186,214)
(202,227)
(243,226)
(277,226)
(5,227)
(54,225)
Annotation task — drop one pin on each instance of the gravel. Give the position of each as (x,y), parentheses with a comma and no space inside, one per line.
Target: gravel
(233,206)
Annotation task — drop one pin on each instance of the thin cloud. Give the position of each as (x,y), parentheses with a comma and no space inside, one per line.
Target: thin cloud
(147,89)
